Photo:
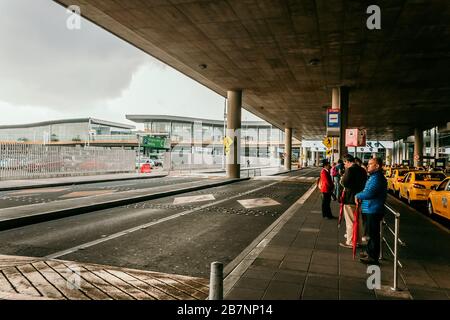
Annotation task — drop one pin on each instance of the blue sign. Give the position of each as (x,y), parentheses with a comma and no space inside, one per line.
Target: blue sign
(333,118)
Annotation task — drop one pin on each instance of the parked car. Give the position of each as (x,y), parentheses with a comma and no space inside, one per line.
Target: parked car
(417,185)
(394,181)
(439,198)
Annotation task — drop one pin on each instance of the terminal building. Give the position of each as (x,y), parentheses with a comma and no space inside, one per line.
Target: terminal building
(188,135)
(66,132)
(195,135)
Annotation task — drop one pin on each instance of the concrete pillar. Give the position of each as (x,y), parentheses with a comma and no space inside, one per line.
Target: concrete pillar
(287,148)
(234,99)
(335,104)
(340,100)
(313,157)
(388,159)
(436,155)
(418,147)
(432,142)
(317,159)
(344,101)
(305,156)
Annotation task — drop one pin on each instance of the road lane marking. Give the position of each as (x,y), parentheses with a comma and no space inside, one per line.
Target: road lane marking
(144,226)
(34,191)
(79,194)
(182,200)
(259,202)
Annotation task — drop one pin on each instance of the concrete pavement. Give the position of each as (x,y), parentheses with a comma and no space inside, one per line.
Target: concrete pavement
(9,185)
(303,260)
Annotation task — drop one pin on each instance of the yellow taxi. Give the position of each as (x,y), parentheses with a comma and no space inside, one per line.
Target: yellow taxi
(393,183)
(439,198)
(387,171)
(416,185)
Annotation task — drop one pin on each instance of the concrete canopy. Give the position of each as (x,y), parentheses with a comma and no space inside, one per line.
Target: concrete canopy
(286,55)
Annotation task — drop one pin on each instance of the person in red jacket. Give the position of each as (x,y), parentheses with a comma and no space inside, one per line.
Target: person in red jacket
(326,188)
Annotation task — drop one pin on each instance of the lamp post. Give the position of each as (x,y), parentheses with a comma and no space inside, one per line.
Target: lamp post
(89,132)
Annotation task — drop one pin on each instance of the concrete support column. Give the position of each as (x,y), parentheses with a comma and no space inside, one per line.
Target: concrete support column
(305,156)
(313,157)
(287,148)
(317,159)
(234,99)
(432,142)
(388,159)
(340,100)
(436,155)
(418,147)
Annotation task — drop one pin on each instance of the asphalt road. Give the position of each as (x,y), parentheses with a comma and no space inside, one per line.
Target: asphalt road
(168,234)
(40,195)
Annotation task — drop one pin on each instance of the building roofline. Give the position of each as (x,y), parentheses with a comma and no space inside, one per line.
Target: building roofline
(140,118)
(73,120)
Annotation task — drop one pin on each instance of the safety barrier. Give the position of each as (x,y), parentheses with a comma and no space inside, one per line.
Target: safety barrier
(250,172)
(27,161)
(397,241)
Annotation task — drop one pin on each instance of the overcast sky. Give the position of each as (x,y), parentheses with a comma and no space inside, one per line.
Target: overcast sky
(50,72)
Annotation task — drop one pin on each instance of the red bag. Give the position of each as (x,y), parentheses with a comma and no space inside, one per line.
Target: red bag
(356,215)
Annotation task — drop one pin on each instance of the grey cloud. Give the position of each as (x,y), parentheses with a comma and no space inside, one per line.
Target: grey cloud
(44,63)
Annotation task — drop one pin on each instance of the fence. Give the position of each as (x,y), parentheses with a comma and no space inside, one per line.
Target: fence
(396,234)
(26,161)
(195,161)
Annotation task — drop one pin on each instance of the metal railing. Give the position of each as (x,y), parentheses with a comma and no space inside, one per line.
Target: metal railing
(397,241)
(250,172)
(25,161)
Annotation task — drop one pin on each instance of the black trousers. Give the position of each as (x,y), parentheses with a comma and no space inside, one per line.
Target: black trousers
(326,209)
(373,231)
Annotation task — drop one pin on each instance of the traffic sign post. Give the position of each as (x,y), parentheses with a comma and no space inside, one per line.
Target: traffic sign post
(327,142)
(333,122)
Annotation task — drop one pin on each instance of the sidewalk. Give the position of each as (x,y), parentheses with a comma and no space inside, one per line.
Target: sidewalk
(9,185)
(301,259)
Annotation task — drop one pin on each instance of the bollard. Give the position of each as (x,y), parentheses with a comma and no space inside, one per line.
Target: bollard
(216,281)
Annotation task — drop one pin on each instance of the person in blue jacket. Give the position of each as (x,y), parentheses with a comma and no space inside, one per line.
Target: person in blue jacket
(373,198)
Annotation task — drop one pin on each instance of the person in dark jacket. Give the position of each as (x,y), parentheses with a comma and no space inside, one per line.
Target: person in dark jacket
(373,198)
(353,181)
(326,189)
(336,175)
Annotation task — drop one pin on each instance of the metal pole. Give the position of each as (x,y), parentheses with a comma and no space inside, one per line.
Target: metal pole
(397,227)
(216,281)
(381,238)
(89,132)
(139,152)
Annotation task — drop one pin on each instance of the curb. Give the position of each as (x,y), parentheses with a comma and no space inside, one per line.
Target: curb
(284,172)
(59,184)
(66,212)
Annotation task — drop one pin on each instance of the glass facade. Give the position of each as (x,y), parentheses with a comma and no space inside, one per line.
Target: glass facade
(64,132)
(48,133)
(207,137)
